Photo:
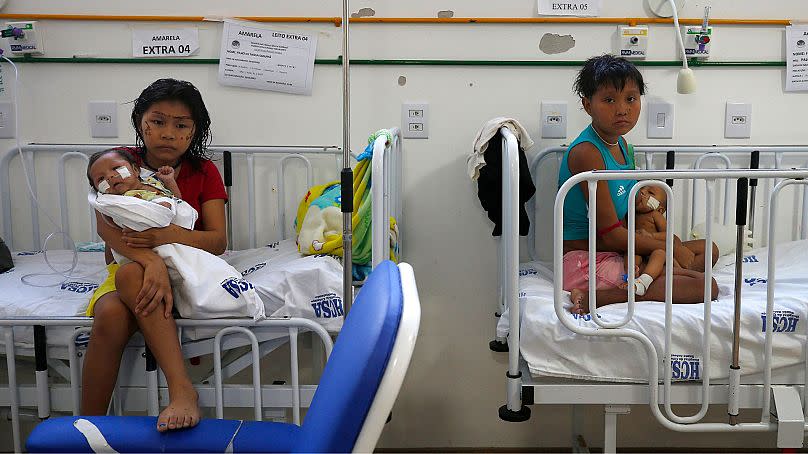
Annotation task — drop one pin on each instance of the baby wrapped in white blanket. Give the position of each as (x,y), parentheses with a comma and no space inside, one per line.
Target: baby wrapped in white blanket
(204,285)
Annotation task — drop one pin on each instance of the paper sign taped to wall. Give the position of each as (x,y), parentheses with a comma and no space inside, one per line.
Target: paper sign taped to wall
(165,42)
(256,57)
(569,7)
(797,58)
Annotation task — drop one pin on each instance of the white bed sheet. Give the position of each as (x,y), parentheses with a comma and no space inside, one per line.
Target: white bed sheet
(550,349)
(289,285)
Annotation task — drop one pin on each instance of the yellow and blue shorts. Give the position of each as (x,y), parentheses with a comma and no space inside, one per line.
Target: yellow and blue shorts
(106,287)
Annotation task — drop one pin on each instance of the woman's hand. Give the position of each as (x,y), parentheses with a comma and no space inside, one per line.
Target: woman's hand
(156,288)
(152,237)
(683,256)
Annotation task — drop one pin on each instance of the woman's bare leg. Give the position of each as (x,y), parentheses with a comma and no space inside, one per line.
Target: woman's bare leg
(688,288)
(161,337)
(113,325)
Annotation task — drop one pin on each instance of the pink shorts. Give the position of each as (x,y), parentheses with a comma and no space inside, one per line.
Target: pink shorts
(608,272)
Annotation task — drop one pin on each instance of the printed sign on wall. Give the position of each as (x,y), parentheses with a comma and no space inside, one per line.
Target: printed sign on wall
(797,58)
(171,42)
(569,7)
(256,57)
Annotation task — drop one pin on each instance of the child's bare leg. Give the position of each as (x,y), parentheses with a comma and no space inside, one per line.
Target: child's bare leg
(114,324)
(161,337)
(698,247)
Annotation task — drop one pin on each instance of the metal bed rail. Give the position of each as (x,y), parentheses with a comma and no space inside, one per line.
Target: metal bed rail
(68,152)
(665,156)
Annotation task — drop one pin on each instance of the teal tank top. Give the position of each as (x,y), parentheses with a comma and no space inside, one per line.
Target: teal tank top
(576,220)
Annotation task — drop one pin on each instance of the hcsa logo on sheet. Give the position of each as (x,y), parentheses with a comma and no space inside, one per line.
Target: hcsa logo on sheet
(685,367)
(328,305)
(235,287)
(79,287)
(253,269)
(782,322)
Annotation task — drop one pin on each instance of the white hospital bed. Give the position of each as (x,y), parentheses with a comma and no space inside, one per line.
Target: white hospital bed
(626,354)
(48,325)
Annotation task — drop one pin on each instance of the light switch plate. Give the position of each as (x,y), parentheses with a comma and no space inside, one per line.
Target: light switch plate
(103,118)
(553,119)
(415,121)
(7,120)
(660,120)
(738,121)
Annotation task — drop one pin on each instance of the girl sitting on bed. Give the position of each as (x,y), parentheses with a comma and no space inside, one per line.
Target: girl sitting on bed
(172,127)
(610,89)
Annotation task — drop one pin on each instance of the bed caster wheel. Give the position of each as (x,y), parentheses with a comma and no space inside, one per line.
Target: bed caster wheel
(514,416)
(497,346)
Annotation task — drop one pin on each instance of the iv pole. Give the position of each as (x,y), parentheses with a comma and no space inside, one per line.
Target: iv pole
(346,176)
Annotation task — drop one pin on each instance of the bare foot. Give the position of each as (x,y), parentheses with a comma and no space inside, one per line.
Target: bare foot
(580,302)
(182,411)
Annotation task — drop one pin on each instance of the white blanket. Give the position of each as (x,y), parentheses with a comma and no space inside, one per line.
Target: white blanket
(204,286)
(550,349)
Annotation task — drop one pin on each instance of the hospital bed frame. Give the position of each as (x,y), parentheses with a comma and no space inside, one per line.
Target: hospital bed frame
(782,407)
(139,392)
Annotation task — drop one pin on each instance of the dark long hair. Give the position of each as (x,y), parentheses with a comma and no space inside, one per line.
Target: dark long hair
(606,69)
(186,93)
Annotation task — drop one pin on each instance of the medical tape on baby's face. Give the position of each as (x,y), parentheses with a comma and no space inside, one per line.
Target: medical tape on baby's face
(124,172)
(103,187)
(653,203)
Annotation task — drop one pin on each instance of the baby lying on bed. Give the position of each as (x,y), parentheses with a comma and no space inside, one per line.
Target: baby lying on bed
(204,285)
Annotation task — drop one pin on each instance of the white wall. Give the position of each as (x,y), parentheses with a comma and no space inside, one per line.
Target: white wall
(455,384)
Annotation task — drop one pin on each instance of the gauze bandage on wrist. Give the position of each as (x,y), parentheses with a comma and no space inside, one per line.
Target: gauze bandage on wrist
(653,203)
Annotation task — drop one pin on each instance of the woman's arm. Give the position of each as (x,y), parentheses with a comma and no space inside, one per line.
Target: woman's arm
(584,157)
(212,237)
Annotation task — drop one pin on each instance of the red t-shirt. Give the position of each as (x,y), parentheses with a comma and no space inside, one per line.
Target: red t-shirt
(197,186)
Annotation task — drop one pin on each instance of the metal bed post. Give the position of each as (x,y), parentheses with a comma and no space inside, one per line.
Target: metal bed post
(256,371)
(346,176)
(14,398)
(754,164)
(514,410)
(41,361)
(227,164)
(735,367)
(152,383)
(282,187)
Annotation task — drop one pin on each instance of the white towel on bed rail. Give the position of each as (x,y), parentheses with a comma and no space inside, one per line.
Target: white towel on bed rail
(476,160)
(204,285)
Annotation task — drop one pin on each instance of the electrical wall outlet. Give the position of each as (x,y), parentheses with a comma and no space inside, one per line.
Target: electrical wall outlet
(103,118)
(30,42)
(738,121)
(553,119)
(633,41)
(660,120)
(7,120)
(415,121)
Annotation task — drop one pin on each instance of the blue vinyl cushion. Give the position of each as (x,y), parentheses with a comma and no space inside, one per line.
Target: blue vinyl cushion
(332,424)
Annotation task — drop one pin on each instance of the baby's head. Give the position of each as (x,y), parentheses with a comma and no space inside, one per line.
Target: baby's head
(113,171)
(652,198)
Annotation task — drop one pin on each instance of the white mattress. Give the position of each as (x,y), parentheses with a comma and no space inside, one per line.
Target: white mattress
(289,285)
(550,349)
